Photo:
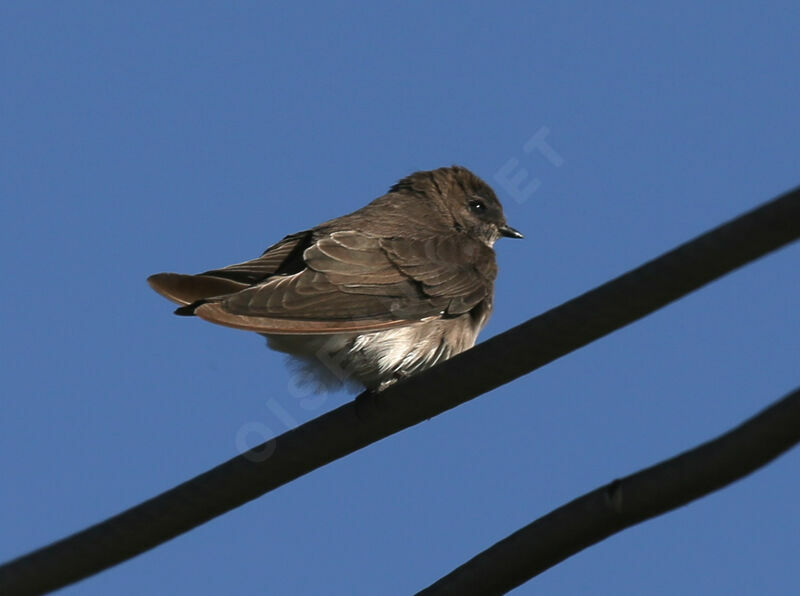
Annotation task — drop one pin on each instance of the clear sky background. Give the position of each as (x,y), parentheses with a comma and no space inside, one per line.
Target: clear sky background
(140,137)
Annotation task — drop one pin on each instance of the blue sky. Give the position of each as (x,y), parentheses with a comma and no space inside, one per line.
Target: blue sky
(151,136)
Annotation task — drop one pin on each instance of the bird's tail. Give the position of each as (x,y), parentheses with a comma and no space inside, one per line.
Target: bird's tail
(190,291)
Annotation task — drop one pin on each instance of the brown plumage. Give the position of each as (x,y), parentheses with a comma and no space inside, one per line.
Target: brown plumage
(383,292)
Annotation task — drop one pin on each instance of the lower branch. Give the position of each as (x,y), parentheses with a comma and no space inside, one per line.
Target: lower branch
(626,502)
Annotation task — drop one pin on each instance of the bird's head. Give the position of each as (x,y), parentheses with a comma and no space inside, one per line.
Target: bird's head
(471,203)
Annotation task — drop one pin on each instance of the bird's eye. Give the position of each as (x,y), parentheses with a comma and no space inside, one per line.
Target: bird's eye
(477,206)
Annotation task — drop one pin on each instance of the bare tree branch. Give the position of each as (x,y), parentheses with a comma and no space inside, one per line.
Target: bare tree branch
(499,360)
(626,502)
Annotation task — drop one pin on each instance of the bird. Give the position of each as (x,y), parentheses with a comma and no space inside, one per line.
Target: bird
(371,297)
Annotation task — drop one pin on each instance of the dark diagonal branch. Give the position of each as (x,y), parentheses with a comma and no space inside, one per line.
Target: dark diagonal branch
(333,435)
(624,503)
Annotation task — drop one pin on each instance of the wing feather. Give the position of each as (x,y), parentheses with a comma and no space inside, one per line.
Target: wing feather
(283,257)
(349,281)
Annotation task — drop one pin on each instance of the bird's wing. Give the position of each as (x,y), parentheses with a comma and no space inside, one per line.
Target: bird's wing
(283,257)
(457,270)
(357,282)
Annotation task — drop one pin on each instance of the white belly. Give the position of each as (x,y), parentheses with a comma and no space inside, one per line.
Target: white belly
(374,359)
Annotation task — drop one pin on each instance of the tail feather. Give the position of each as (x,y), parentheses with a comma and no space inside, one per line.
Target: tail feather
(188,289)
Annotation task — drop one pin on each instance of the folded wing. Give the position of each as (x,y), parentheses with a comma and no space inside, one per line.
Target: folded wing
(344,281)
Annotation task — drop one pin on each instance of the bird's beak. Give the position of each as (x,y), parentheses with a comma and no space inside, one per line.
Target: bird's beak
(510,232)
